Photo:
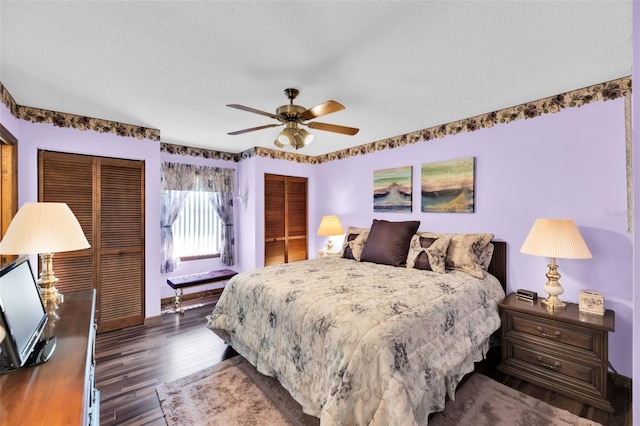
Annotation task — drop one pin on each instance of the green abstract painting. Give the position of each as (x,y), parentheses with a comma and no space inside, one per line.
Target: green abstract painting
(448,186)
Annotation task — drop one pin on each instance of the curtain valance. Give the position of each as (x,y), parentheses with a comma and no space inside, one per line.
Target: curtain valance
(189,177)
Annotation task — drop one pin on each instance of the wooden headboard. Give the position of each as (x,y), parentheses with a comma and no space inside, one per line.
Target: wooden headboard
(498,265)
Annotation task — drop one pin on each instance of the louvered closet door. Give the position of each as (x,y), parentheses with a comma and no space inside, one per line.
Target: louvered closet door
(285,201)
(274,220)
(121,264)
(296,219)
(69,178)
(107,196)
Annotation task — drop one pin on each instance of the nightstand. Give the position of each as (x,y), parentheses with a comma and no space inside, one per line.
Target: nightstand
(565,351)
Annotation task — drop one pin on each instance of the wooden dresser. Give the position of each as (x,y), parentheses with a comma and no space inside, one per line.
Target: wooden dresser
(61,391)
(564,350)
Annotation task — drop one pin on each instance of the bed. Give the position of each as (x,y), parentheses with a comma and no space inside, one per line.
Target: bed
(362,343)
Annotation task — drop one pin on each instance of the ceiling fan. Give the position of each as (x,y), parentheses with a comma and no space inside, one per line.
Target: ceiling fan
(294,115)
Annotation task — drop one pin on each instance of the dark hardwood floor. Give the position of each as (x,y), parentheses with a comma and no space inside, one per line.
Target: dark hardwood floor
(133,361)
(130,363)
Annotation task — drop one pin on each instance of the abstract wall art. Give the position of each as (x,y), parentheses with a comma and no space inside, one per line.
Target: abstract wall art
(392,190)
(448,186)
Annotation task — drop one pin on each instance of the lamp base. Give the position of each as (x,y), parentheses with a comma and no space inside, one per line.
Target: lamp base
(553,288)
(552,302)
(330,246)
(47,282)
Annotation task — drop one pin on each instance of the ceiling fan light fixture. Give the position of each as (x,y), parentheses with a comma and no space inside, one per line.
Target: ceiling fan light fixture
(286,137)
(278,144)
(306,136)
(298,141)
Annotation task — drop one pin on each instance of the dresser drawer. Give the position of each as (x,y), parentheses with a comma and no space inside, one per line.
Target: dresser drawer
(544,329)
(561,367)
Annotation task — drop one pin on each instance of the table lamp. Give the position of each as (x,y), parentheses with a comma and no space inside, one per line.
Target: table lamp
(555,238)
(329,227)
(44,229)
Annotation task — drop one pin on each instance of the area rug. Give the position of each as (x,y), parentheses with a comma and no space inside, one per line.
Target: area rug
(233,393)
(481,401)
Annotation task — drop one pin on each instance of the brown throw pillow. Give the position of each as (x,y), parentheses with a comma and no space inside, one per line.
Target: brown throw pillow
(388,242)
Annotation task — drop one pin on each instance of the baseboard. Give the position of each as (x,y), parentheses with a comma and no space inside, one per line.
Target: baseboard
(157,320)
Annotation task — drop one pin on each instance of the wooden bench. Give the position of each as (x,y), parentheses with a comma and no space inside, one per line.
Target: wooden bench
(183,281)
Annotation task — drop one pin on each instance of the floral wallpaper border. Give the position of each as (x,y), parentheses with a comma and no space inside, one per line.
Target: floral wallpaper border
(197,152)
(599,92)
(73,121)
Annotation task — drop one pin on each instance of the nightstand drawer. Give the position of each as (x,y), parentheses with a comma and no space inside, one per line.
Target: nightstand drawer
(556,365)
(555,331)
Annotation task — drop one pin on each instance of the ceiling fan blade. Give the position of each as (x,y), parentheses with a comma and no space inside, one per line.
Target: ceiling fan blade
(333,128)
(253,110)
(266,126)
(322,109)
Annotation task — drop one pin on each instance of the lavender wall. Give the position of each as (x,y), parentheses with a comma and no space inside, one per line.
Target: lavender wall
(8,120)
(565,165)
(251,222)
(32,137)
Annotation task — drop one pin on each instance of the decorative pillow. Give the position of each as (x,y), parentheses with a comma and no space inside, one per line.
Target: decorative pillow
(465,251)
(354,242)
(388,242)
(485,257)
(428,251)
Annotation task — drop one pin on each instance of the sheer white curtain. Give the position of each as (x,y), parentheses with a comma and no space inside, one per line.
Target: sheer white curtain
(218,183)
(172,203)
(177,178)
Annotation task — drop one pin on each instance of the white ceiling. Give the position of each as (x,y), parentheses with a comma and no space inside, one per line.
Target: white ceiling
(397,66)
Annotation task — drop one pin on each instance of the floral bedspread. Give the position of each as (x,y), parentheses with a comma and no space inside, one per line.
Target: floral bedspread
(357,343)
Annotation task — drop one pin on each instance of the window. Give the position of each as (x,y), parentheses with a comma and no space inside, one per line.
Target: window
(197,232)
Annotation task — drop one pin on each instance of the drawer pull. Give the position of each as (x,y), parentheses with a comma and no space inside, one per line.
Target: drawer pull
(550,336)
(545,365)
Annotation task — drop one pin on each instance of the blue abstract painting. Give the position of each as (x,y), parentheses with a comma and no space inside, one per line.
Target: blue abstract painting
(392,190)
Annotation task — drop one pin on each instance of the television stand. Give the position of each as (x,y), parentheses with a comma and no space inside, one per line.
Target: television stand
(42,351)
(62,390)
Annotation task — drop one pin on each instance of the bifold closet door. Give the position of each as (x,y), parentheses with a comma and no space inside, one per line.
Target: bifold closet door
(121,261)
(107,197)
(285,219)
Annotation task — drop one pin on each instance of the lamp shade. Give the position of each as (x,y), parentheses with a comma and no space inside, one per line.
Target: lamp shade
(329,226)
(43,228)
(555,238)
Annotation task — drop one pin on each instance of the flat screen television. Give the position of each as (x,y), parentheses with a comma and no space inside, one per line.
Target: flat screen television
(24,317)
